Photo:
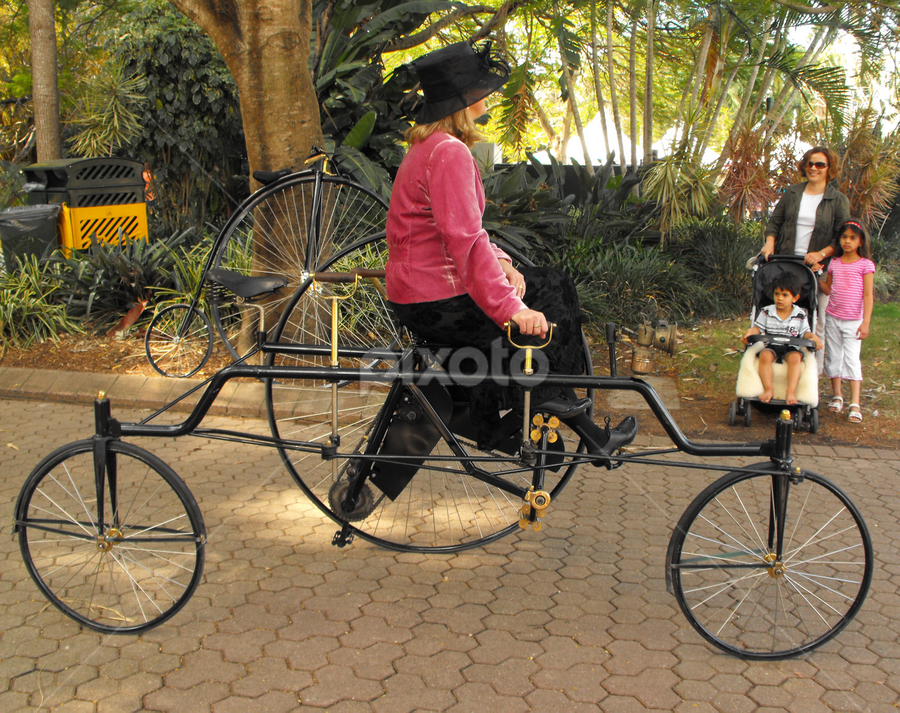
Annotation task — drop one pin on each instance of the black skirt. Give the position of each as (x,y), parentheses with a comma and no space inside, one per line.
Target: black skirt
(458,322)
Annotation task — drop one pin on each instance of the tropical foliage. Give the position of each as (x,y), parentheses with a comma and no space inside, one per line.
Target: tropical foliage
(30,310)
(190,122)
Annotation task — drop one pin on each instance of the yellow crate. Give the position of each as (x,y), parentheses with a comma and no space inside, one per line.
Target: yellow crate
(78,226)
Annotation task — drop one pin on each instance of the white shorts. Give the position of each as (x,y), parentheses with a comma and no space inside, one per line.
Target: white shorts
(842,349)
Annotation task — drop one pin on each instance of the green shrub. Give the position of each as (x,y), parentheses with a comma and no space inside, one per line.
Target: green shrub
(715,251)
(184,277)
(29,307)
(101,284)
(628,284)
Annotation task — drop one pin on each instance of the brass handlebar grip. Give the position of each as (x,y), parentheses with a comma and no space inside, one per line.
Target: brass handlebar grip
(509,326)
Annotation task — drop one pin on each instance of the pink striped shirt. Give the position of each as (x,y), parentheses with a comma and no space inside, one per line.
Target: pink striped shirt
(846,300)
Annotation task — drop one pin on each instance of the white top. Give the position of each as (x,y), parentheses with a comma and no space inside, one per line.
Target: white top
(806,221)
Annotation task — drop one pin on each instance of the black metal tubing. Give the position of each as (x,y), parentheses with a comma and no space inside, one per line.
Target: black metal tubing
(404,373)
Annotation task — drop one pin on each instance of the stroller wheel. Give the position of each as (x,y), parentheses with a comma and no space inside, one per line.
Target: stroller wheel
(732,413)
(814,421)
(747,414)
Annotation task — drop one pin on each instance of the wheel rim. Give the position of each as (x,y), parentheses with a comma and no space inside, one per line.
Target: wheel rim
(739,596)
(439,510)
(136,571)
(269,237)
(176,352)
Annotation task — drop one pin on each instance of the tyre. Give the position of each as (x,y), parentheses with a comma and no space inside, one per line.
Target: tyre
(748,414)
(121,560)
(269,236)
(179,341)
(739,594)
(814,421)
(732,413)
(442,509)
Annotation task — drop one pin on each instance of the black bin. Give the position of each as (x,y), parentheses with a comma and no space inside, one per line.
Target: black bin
(27,230)
(85,182)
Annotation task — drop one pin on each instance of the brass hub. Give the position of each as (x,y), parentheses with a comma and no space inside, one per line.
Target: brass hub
(777,569)
(106,542)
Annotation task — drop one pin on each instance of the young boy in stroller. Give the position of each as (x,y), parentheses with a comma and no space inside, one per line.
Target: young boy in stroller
(774,368)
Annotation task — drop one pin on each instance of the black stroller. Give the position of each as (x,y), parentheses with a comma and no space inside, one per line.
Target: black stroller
(749,387)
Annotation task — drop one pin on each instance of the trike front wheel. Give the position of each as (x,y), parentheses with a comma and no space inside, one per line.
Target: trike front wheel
(121,557)
(753,598)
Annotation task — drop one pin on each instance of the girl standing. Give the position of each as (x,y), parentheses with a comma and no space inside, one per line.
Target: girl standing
(849,284)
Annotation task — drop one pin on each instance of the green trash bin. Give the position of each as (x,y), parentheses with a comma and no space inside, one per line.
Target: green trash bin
(27,230)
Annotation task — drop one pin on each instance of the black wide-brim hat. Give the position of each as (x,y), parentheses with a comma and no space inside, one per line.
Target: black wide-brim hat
(455,77)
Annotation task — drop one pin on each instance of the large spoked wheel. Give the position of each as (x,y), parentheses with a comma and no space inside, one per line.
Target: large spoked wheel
(443,508)
(270,236)
(121,558)
(739,594)
(179,341)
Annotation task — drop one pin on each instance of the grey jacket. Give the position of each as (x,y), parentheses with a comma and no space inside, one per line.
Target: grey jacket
(830,215)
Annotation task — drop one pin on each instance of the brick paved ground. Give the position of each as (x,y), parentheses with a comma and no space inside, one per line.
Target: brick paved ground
(574,618)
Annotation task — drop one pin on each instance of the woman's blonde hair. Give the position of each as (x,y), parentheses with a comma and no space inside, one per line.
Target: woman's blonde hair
(459,125)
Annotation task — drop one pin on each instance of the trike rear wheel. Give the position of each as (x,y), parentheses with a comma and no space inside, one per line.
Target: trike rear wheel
(179,341)
(443,508)
(744,597)
(121,567)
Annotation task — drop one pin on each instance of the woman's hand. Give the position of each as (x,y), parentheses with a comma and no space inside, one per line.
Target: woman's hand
(514,276)
(814,258)
(531,322)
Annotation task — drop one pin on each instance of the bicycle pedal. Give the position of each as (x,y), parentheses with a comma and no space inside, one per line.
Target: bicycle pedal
(342,539)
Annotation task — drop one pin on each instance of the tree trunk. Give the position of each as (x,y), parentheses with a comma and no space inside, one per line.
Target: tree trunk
(723,93)
(45,86)
(595,68)
(648,83)
(632,84)
(573,105)
(266,45)
(741,117)
(613,98)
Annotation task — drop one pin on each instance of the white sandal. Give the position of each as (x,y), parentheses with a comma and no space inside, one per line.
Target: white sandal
(836,405)
(855,416)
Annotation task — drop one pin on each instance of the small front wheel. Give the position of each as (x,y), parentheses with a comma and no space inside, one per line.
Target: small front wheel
(119,548)
(767,564)
(179,341)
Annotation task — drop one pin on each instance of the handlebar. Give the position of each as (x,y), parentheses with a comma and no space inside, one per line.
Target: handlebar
(357,273)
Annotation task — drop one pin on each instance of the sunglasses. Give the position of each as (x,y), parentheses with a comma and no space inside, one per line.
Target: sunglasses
(817,164)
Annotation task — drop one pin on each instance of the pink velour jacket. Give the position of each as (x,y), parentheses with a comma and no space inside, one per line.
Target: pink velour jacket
(436,246)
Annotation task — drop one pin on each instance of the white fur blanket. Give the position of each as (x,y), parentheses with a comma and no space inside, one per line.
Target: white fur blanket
(749,385)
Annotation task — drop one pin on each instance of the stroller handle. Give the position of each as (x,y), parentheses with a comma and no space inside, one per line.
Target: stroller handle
(785,341)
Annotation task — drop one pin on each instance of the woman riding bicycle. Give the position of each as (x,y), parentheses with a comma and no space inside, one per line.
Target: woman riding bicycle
(446,282)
